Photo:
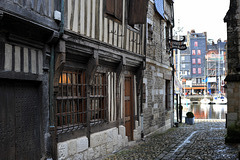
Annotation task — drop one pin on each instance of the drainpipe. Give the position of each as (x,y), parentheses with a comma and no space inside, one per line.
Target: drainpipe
(144,67)
(51,94)
(62,19)
(51,89)
(172,63)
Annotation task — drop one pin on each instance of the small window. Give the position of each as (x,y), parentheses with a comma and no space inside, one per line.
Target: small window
(199,52)
(193,61)
(196,44)
(168,95)
(193,52)
(183,65)
(183,58)
(194,70)
(199,60)
(199,70)
(150,32)
(144,93)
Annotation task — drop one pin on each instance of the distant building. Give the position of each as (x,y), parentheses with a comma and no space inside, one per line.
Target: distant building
(192,63)
(198,48)
(215,64)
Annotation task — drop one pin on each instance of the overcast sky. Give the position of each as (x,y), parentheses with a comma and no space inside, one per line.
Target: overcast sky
(203,16)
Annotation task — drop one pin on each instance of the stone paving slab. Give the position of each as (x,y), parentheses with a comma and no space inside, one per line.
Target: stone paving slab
(203,140)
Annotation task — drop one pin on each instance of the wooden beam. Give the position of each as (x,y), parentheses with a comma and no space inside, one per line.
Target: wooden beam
(119,73)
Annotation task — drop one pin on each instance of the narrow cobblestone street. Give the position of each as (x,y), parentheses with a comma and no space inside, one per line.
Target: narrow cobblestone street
(203,140)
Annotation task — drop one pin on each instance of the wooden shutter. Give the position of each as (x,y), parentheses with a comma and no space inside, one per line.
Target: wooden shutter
(137,11)
(115,8)
(110,7)
(118,9)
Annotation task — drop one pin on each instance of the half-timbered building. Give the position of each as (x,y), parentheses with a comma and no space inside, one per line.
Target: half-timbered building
(27,33)
(72,80)
(98,77)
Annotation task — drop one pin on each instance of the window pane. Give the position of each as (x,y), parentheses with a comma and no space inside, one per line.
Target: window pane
(193,61)
(199,70)
(195,44)
(199,60)
(199,52)
(194,70)
(193,52)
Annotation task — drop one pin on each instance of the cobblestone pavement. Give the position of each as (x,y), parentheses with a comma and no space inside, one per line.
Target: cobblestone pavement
(204,140)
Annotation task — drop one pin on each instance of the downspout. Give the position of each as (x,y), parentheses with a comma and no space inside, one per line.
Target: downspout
(172,64)
(51,88)
(62,19)
(144,67)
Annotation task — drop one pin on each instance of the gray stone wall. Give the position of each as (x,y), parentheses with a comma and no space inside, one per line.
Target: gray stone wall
(233,75)
(101,144)
(155,115)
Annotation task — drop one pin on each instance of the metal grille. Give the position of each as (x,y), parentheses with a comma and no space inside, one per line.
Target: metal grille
(71,101)
(98,99)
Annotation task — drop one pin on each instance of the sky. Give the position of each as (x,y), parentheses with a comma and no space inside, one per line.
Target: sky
(203,16)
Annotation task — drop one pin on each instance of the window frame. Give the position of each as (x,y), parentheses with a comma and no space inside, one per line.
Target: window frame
(194,61)
(194,71)
(196,44)
(193,52)
(98,99)
(199,61)
(199,70)
(71,106)
(198,52)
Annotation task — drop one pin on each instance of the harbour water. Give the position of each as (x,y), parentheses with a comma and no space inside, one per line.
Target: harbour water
(204,111)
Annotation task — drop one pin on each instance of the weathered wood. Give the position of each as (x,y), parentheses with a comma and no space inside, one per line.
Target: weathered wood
(110,7)
(111,32)
(92,67)
(129,107)
(94,18)
(41,11)
(92,23)
(2,55)
(137,12)
(88,18)
(101,24)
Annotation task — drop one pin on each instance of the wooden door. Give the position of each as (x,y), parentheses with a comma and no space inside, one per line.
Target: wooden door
(129,106)
(19,120)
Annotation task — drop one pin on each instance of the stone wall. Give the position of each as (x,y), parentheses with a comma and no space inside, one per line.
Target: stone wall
(233,75)
(101,144)
(156,117)
(155,114)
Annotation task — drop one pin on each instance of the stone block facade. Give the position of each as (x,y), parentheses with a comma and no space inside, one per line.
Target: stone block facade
(232,19)
(101,144)
(157,107)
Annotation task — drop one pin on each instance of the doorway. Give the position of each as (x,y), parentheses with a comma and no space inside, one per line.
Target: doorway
(129,107)
(19,120)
